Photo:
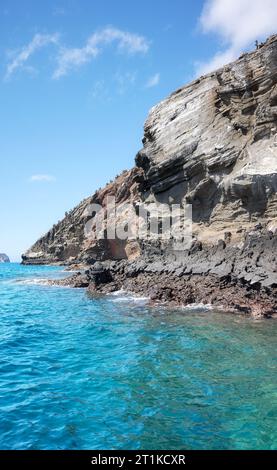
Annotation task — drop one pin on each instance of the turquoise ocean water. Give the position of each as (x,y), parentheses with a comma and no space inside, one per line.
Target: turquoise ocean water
(113,373)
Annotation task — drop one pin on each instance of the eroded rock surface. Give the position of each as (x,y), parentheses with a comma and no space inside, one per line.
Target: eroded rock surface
(211,144)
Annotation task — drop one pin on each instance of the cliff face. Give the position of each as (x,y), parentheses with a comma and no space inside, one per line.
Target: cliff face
(66,242)
(211,144)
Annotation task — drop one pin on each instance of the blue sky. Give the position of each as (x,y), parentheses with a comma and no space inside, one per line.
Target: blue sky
(77,79)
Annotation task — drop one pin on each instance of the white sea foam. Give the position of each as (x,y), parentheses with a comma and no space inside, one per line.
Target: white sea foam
(34,281)
(197,307)
(122,296)
(117,293)
(38,282)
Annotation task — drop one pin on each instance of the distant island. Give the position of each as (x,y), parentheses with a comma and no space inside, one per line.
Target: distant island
(4,258)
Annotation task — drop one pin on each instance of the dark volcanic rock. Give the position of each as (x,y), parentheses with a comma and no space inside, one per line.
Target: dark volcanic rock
(223,291)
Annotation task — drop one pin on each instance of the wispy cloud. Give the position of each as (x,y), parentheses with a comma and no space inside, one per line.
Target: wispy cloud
(124,81)
(42,178)
(39,41)
(100,92)
(117,85)
(238,24)
(70,58)
(59,11)
(217,61)
(153,81)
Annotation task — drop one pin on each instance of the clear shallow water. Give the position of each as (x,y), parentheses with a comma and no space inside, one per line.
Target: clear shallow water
(113,373)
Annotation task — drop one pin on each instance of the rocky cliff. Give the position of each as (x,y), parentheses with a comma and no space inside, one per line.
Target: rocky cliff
(211,144)
(4,258)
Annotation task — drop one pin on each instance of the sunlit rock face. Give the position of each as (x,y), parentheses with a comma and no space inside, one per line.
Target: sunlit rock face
(211,144)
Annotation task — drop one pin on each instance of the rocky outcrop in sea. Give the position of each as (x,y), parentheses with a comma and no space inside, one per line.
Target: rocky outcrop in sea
(4,258)
(211,144)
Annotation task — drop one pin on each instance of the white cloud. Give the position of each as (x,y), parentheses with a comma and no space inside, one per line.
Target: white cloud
(119,84)
(38,41)
(69,58)
(124,81)
(153,81)
(43,178)
(59,11)
(217,61)
(73,57)
(100,92)
(238,23)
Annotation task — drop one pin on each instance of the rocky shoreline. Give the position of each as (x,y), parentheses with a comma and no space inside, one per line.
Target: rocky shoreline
(235,280)
(212,145)
(170,289)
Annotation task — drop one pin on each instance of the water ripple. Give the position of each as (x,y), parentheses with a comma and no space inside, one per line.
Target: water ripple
(115,373)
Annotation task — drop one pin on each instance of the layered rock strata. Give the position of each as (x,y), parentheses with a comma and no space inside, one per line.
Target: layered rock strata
(211,144)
